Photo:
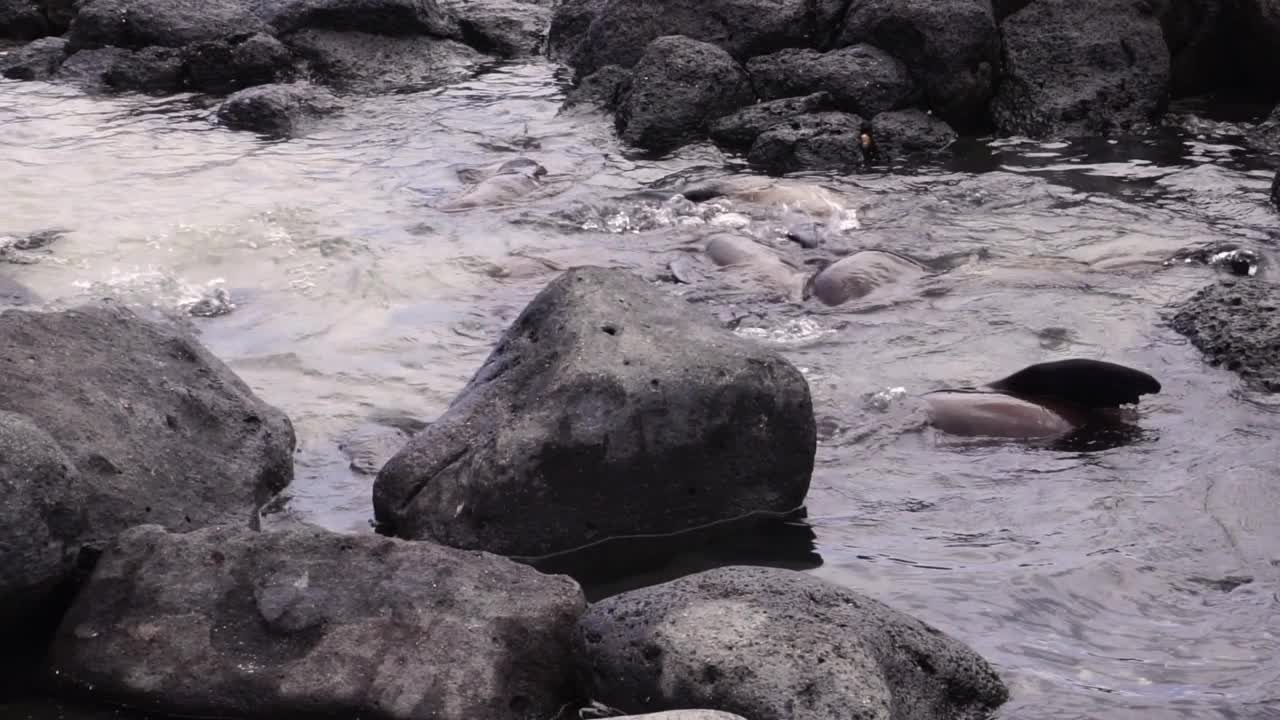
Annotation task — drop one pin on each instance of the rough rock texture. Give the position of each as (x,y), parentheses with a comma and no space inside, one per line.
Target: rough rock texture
(608,408)
(168,23)
(224,66)
(508,28)
(821,141)
(1235,324)
(41,519)
(568,28)
(741,129)
(861,79)
(1256,40)
(87,69)
(1080,67)
(360,62)
(382,17)
(950,46)
(38,60)
(153,69)
(903,132)
(278,110)
(768,643)
(605,88)
(307,622)
(677,89)
(623,29)
(22,20)
(1194,31)
(159,429)
(1265,136)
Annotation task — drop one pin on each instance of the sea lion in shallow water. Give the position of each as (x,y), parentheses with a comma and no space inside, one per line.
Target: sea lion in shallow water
(1042,400)
(859,274)
(792,195)
(732,250)
(504,183)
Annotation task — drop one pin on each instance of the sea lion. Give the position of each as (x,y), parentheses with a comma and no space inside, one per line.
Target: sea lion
(859,274)
(1041,401)
(800,196)
(732,250)
(509,181)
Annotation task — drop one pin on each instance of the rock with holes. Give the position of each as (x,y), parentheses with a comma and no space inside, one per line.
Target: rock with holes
(281,110)
(38,60)
(227,622)
(137,24)
(603,89)
(1081,67)
(224,66)
(740,129)
(159,430)
(771,644)
(608,408)
(507,28)
(860,79)
(1235,324)
(906,132)
(818,141)
(368,63)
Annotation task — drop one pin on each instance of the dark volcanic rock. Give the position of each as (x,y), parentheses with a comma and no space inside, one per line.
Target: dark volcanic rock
(1235,324)
(224,66)
(860,79)
(569,26)
(903,132)
(359,62)
(1265,136)
(608,408)
(741,129)
(623,29)
(278,110)
(88,69)
(309,623)
(1194,31)
(821,141)
(1256,41)
(382,17)
(1275,190)
(167,23)
(153,69)
(950,46)
(508,28)
(1080,67)
(768,643)
(22,20)
(38,60)
(605,88)
(160,430)
(677,89)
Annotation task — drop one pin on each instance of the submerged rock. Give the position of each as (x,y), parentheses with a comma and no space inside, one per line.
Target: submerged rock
(159,429)
(820,141)
(677,89)
(903,132)
(229,622)
(740,130)
(224,66)
(361,62)
(277,110)
(38,60)
(1080,67)
(769,643)
(860,79)
(379,17)
(608,408)
(509,28)
(1235,324)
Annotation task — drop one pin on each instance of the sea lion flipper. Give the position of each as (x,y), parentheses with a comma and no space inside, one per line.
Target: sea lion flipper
(1087,383)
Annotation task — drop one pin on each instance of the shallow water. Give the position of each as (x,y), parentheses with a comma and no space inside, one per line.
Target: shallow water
(1134,580)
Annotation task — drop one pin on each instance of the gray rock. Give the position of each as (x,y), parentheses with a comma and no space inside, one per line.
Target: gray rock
(22,20)
(305,622)
(1275,190)
(38,60)
(568,28)
(1235,324)
(768,643)
(508,28)
(951,47)
(903,132)
(224,66)
(740,130)
(861,79)
(87,69)
(277,110)
(820,141)
(153,69)
(138,24)
(1195,32)
(1256,42)
(379,17)
(677,89)
(608,408)
(360,62)
(60,13)
(1265,136)
(1080,67)
(605,89)
(159,429)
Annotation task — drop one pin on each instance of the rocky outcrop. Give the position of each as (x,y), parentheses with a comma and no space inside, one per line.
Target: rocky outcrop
(1255,38)
(906,132)
(159,430)
(1081,67)
(229,622)
(38,60)
(152,69)
(860,79)
(136,24)
(87,69)
(768,643)
(1235,324)
(819,141)
(607,409)
(1265,136)
(604,89)
(367,63)
(677,89)
(740,130)
(508,28)
(277,110)
(224,66)
(568,29)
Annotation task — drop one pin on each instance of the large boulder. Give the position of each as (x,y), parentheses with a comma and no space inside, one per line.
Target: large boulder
(277,110)
(37,60)
(568,28)
(1265,136)
(159,429)
(770,644)
(509,28)
(950,46)
(309,623)
(819,141)
(860,79)
(381,17)
(1236,325)
(740,129)
(905,132)
(88,69)
(677,89)
(361,62)
(137,24)
(1081,67)
(224,66)
(24,20)
(608,408)
(152,69)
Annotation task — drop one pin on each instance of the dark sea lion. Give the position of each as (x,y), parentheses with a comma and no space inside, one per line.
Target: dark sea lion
(1042,400)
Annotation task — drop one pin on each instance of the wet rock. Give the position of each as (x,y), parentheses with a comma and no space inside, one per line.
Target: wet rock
(820,141)
(769,643)
(1004,8)
(278,110)
(903,132)
(677,89)
(360,62)
(951,47)
(604,89)
(508,28)
(1194,31)
(224,66)
(1265,136)
(87,69)
(378,17)
(608,408)
(1235,324)
(860,79)
(229,622)
(22,20)
(623,29)
(137,24)
(38,60)
(740,130)
(159,429)
(153,69)
(568,28)
(1080,67)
